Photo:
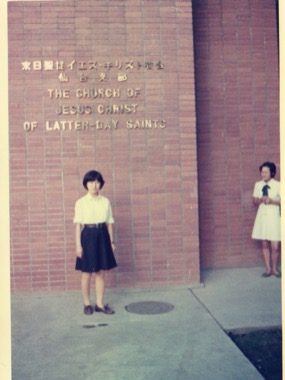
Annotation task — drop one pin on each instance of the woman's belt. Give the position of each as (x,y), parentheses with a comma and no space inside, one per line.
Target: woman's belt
(95,225)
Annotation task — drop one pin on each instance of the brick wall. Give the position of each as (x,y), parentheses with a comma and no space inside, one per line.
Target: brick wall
(237,85)
(150,174)
(58,47)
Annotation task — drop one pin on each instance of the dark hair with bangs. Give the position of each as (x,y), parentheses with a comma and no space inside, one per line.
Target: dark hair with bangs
(271,166)
(92,176)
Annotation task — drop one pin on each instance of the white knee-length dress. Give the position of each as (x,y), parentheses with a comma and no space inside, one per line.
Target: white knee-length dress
(267,224)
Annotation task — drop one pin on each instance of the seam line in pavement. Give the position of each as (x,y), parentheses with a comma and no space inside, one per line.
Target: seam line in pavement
(208,311)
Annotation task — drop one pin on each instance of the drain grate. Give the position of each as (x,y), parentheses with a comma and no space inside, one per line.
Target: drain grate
(149,307)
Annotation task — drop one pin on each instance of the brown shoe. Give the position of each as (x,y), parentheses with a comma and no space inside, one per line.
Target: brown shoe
(266,274)
(277,274)
(88,310)
(105,310)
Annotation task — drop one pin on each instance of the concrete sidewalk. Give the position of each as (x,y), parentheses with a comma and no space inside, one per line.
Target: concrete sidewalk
(52,339)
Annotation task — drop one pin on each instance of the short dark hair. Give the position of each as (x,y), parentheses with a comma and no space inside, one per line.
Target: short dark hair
(92,176)
(271,166)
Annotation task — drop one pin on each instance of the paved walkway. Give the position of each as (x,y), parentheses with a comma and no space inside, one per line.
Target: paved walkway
(53,340)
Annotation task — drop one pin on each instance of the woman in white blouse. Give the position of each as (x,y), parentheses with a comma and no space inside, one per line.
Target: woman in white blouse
(94,240)
(267,228)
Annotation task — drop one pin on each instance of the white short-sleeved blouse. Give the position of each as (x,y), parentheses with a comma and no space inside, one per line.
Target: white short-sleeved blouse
(267,221)
(90,210)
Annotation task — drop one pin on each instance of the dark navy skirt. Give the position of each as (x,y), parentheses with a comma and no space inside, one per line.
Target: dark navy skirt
(97,250)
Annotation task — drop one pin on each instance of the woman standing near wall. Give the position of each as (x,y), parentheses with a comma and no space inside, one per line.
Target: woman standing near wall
(267,228)
(95,245)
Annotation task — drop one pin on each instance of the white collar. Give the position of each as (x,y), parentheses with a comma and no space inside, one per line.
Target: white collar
(267,183)
(90,198)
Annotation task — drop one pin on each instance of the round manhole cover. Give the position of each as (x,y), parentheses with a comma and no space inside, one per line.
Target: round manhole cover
(149,307)
(93,326)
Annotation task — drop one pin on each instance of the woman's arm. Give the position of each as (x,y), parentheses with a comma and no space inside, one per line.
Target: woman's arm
(256,201)
(78,239)
(270,201)
(266,200)
(111,234)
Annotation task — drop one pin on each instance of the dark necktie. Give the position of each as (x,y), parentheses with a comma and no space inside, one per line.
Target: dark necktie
(265,190)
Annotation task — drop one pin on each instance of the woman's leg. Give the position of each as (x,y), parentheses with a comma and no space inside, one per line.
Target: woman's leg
(266,255)
(85,285)
(100,288)
(275,252)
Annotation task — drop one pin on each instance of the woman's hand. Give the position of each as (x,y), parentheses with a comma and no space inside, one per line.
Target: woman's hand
(79,252)
(257,201)
(111,234)
(270,201)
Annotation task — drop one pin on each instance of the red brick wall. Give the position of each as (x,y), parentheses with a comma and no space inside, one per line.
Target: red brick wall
(151,174)
(237,85)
